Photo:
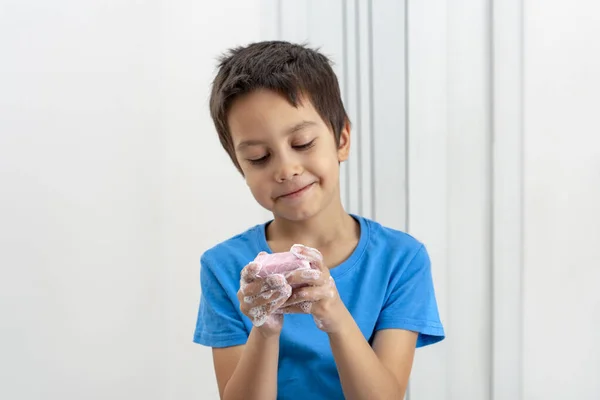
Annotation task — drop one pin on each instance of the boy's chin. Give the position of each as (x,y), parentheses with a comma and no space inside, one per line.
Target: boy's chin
(295,215)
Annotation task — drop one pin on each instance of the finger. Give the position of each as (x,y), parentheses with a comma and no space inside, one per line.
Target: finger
(263,284)
(250,271)
(310,293)
(267,297)
(311,277)
(259,314)
(276,304)
(301,308)
(306,253)
(314,256)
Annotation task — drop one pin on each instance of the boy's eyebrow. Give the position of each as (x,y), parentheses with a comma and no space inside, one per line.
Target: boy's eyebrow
(299,126)
(293,129)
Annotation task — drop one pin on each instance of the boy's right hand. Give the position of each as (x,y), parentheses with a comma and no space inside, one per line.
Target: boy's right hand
(260,297)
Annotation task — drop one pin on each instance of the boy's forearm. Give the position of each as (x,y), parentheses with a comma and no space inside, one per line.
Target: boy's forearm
(362,374)
(255,376)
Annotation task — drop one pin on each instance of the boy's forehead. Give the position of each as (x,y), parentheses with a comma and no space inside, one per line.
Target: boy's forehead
(265,112)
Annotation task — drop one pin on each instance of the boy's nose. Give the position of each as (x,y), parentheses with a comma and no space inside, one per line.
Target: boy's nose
(286,169)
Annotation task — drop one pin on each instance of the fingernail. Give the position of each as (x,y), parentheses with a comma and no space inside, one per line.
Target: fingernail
(310,274)
(252,268)
(282,293)
(275,280)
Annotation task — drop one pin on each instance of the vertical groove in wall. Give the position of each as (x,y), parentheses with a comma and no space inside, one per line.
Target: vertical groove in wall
(490,189)
(521,217)
(305,39)
(279,17)
(358,107)
(508,196)
(406,148)
(345,85)
(371,109)
(406,118)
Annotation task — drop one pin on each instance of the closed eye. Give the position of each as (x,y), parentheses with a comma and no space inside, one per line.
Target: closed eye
(265,158)
(305,146)
(259,161)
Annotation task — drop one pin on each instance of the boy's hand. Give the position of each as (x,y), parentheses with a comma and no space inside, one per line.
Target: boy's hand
(320,298)
(260,297)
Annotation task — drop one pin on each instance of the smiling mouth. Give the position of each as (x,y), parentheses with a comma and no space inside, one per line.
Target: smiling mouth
(297,192)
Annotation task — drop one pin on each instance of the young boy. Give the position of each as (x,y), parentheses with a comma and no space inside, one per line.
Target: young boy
(279,115)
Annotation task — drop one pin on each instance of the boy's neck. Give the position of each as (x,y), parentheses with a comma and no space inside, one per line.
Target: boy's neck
(321,230)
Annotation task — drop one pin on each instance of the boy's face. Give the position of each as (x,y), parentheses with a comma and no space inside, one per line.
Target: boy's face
(288,155)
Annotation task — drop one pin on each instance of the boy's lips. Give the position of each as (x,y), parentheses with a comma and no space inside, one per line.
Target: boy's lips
(295,192)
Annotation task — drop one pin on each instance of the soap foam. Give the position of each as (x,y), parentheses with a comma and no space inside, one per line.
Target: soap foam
(274,267)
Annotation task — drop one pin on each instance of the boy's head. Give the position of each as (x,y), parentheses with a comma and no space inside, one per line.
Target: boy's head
(279,114)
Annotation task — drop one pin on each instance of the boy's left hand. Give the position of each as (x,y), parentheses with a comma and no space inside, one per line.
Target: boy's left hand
(320,298)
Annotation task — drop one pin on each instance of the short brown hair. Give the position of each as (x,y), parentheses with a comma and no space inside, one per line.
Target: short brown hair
(292,70)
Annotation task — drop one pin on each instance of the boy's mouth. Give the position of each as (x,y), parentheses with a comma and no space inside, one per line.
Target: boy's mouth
(296,193)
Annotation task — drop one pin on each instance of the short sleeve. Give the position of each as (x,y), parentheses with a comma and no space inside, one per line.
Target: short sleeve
(219,323)
(411,302)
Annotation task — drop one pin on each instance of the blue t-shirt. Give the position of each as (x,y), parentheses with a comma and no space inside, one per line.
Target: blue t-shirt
(385,283)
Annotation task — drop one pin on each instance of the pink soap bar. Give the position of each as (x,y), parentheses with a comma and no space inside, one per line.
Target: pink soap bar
(280,263)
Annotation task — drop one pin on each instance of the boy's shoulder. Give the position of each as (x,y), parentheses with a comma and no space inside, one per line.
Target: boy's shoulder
(240,246)
(391,238)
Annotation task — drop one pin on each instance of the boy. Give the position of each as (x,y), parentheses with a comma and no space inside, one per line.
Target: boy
(279,115)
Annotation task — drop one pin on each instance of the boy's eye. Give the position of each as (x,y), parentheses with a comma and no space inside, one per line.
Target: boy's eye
(265,158)
(305,146)
(258,161)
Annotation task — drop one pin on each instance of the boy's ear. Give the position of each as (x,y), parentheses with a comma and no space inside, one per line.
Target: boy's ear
(344,147)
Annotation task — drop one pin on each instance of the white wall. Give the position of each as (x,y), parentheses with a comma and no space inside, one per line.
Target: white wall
(83,309)
(522,320)
(112,184)
(449,194)
(562,200)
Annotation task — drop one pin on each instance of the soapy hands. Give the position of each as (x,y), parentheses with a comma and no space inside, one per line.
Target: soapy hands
(272,285)
(316,294)
(260,296)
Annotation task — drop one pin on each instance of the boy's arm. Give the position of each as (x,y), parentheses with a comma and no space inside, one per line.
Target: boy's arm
(378,372)
(248,371)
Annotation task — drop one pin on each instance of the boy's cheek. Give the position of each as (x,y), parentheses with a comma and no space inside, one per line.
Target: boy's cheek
(261,193)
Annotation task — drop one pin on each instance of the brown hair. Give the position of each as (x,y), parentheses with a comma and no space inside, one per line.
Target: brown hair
(292,70)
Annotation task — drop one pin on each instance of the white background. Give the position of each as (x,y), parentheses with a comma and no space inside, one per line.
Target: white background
(113,182)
